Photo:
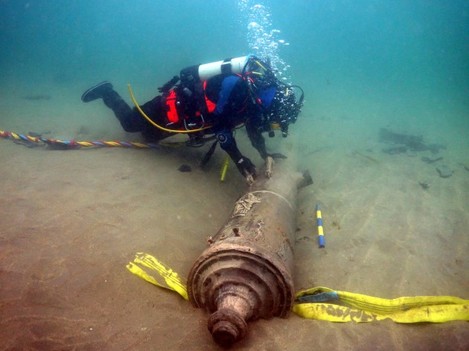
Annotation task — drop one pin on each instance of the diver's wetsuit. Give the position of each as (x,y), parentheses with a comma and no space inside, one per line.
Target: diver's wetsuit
(234,106)
(131,119)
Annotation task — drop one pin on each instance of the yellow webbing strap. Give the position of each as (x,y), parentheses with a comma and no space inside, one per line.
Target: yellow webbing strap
(172,281)
(332,305)
(351,307)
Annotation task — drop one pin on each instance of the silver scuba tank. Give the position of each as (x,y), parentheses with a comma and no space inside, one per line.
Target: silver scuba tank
(206,71)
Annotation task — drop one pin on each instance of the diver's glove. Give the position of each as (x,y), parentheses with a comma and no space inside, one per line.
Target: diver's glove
(269,163)
(247,169)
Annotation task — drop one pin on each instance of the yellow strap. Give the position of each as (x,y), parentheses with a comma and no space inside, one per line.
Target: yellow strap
(172,281)
(352,307)
(344,307)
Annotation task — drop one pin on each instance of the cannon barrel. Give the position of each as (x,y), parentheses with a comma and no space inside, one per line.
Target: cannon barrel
(246,272)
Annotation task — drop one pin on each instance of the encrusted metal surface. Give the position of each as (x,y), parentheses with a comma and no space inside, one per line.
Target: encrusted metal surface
(246,272)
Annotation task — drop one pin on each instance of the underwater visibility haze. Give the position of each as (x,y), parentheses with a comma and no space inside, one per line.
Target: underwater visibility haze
(384,131)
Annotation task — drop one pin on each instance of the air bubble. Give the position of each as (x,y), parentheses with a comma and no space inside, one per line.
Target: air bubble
(262,38)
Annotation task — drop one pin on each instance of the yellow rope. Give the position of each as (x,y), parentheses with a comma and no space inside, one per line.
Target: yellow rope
(157,125)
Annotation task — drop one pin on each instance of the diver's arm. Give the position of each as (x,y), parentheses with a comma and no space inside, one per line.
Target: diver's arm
(223,125)
(244,164)
(256,138)
(258,141)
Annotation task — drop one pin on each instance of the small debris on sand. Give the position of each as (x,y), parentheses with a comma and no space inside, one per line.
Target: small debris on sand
(444,171)
(424,185)
(431,159)
(184,168)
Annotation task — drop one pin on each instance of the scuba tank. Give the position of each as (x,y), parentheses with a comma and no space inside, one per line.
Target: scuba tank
(198,73)
(227,66)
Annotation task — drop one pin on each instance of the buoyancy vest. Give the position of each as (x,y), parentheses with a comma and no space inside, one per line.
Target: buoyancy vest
(188,109)
(211,106)
(190,100)
(171,110)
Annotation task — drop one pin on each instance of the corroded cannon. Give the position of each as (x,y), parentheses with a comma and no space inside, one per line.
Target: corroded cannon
(246,272)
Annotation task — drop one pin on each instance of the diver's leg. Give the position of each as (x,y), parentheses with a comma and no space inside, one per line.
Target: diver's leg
(130,119)
(155,109)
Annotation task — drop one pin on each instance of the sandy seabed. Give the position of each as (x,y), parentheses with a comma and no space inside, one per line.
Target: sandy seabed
(71,221)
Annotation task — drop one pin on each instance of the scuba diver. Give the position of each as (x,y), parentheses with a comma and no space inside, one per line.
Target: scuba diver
(208,102)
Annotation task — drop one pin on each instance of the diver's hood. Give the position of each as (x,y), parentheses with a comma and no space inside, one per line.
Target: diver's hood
(285,107)
(278,100)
